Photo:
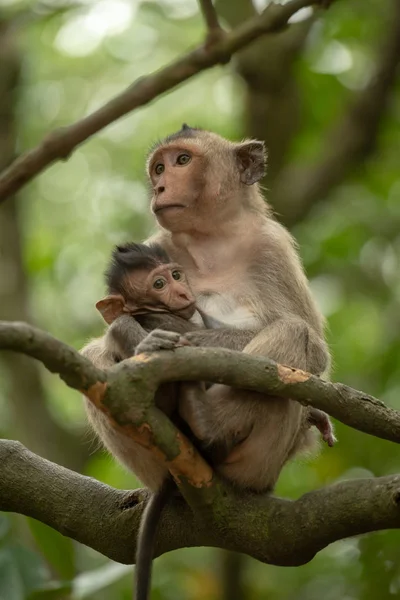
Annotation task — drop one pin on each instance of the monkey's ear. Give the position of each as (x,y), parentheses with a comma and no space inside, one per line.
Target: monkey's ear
(111,307)
(252,160)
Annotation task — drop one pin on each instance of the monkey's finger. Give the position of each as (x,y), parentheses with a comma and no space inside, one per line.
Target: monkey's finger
(164,335)
(188,341)
(330,439)
(158,340)
(183,342)
(154,345)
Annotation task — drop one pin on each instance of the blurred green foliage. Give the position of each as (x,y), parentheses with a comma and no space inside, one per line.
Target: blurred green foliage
(75,60)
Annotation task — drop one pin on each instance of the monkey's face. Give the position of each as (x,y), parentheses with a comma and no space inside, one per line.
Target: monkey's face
(202,182)
(177,174)
(160,289)
(167,288)
(163,289)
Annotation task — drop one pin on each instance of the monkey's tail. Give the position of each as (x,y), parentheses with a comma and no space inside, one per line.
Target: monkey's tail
(147,539)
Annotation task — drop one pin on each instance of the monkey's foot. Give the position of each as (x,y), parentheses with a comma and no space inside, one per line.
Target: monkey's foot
(322,422)
(329,438)
(158,339)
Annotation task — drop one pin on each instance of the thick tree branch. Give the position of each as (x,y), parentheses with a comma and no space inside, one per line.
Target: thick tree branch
(273,530)
(352,407)
(350,142)
(61,143)
(139,377)
(76,370)
(125,393)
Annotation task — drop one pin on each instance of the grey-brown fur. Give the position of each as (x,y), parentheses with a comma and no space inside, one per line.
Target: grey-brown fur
(244,270)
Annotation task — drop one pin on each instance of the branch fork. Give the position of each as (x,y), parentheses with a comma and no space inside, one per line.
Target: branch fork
(262,526)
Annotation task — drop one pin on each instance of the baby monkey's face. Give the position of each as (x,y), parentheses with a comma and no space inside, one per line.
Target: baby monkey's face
(160,289)
(167,286)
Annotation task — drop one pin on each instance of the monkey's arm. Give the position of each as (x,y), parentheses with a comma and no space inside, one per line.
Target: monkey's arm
(119,342)
(291,341)
(287,340)
(233,339)
(276,428)
(123,335)
(167,322)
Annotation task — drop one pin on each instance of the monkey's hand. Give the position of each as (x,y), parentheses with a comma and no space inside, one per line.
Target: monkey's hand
(158,339)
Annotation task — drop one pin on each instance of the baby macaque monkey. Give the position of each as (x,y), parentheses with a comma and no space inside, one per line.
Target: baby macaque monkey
(144,283)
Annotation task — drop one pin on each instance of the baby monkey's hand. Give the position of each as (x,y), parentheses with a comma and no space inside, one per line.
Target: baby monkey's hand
(158,339)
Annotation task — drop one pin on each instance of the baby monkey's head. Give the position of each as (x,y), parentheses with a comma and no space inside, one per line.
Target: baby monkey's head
(142,279)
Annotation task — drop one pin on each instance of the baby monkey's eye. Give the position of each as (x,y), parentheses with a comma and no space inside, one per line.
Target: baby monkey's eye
(159,169)
(177,275)
(183,159)
(159,284)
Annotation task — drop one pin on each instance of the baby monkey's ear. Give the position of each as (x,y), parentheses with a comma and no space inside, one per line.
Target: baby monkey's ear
(111,307)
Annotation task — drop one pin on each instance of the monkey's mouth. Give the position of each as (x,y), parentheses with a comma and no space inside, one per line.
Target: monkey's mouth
(158,209)
(187,312)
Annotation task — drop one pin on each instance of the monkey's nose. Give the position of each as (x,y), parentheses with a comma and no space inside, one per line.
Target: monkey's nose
(160,189)
(185,295)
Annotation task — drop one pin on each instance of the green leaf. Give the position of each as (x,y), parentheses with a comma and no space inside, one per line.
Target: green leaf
(56,548)
(32,569)
(11,583)
(88,583)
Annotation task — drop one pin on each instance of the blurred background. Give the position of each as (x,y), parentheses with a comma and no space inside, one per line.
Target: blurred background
(325,97)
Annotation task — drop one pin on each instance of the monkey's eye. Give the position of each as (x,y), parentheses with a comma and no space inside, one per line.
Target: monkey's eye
(159,169)
(183,159)
(177,275)
(159,284)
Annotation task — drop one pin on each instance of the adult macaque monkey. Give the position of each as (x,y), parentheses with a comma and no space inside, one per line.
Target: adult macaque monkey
(244,271)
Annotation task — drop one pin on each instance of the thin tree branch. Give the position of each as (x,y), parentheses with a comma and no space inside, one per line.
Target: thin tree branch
(272,530)
(350,142)
(210,15)
(61,143)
